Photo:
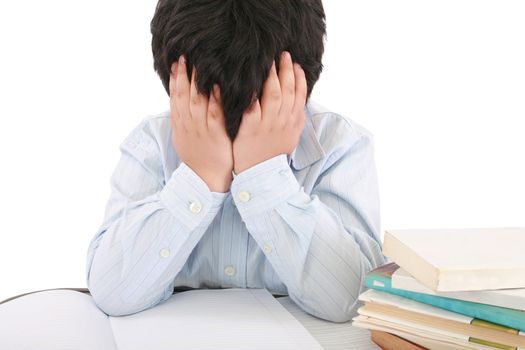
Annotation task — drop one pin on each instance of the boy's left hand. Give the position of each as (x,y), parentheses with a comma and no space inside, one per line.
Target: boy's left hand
(273,126)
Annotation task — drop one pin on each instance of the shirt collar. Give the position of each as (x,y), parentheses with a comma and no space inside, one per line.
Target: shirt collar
(308,149)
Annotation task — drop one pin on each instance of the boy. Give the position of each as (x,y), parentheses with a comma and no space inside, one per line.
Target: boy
(243,182)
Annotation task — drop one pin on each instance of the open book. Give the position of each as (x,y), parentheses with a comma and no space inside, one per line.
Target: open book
(198,319)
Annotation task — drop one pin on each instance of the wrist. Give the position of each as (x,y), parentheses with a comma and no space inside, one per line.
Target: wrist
(242,166)
(219,183)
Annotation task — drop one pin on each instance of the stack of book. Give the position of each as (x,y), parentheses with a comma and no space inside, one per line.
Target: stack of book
(448,289)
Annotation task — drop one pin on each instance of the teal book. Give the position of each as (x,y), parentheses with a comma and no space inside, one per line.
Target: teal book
(380,279)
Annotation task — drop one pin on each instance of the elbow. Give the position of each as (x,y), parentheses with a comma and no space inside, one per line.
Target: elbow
(114,302)
(341,317)
(110,301)
(113,306)
(326,309)
(112,310)
(125,310)
(107,293)
(348,310)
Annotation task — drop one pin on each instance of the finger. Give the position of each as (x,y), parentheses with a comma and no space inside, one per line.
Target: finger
(215,114)
(252,117)
(287,81)
(271,96)
(182,87)
(173,107)
(198,103)
(300,91)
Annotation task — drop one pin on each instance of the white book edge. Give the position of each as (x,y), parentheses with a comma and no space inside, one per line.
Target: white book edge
(380,317)
(381,298)
(448,329)
(430,340)
(374,296)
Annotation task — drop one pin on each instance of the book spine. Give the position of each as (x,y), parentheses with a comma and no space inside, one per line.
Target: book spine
(388,341)
(491,344)
(506,317)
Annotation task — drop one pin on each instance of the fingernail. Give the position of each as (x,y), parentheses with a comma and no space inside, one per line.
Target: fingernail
(182,60)
(285,55)
(216,91)
(174,67)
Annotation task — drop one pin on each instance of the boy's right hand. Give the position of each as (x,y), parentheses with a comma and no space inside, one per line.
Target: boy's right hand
(198,129)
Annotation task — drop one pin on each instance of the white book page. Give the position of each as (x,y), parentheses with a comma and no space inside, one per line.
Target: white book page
(233,318)
(374,296)
(54,319)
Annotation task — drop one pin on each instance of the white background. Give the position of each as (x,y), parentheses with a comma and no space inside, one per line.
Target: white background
(440,84)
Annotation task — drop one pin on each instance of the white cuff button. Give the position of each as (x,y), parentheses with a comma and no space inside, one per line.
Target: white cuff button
(165,252)
(267,248)
(229,270)
(244,196)
(195,207)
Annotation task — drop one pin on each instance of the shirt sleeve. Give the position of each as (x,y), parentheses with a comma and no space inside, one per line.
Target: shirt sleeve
(320,244)
(149,229)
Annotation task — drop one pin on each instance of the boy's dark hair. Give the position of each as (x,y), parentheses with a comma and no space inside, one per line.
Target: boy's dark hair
(233,42)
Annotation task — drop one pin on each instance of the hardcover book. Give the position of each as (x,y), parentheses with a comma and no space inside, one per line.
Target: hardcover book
(447,260)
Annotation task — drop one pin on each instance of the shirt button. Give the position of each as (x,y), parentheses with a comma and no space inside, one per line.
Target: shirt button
(267,248)
(229,270)
(165,252)
(195,207)
(244,196)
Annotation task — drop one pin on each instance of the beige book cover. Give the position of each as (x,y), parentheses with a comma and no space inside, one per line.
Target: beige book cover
(447,260)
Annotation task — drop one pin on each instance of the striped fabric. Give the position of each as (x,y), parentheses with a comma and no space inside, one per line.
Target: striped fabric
(305,225)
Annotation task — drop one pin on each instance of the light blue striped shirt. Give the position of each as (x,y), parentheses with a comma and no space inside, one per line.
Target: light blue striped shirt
(305,225)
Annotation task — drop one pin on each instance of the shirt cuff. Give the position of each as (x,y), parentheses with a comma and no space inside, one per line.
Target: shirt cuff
(263,186)
(187,196)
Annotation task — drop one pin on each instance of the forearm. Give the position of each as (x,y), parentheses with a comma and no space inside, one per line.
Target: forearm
(321,260)
(136,254)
